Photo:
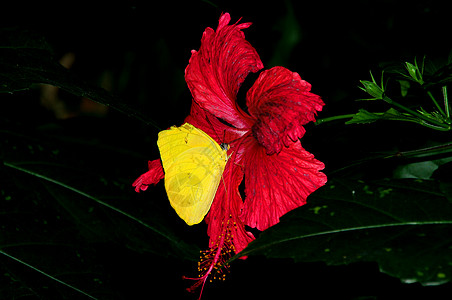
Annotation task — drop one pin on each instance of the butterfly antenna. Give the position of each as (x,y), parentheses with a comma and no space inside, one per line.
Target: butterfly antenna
(213,128)
(224,132)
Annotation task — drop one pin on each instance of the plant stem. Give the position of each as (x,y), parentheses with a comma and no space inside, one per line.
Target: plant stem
(429,122)
(425,152)
(440,128)
(436,103)
(446,102)
(329,119)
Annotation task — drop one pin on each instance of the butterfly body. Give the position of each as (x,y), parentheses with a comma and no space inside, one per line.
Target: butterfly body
(193,163)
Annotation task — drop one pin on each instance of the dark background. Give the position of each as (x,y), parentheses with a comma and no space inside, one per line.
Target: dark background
(144,48)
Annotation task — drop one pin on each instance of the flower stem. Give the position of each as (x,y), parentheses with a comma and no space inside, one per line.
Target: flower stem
(334,118)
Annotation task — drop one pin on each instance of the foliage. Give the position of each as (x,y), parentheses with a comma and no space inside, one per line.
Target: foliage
(72,227)
(401,224)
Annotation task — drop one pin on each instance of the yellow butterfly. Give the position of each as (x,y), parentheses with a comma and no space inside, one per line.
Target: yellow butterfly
(193,164)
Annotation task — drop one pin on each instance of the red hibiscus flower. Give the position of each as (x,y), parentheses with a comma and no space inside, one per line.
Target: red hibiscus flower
(264,141)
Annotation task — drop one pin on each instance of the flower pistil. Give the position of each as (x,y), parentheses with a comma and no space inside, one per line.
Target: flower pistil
(213,262)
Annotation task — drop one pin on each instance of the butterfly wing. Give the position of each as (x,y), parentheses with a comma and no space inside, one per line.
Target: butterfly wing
(193,164)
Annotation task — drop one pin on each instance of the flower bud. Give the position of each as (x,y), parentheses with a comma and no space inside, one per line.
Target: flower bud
(414,72)
(372,89)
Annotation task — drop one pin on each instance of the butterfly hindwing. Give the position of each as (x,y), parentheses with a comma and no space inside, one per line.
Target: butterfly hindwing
(193,164)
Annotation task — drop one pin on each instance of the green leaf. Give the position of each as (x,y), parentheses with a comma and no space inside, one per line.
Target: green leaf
(364,117)
(41,253)
(440,76)
(430,74)
(403,225)
(101,214)
(67,207)
(40,272)
(420,170)
(26,59)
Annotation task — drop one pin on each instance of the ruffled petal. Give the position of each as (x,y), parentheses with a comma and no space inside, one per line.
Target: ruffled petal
(276,184)
(281,102)
(215,72)
(220,132)
(153,176)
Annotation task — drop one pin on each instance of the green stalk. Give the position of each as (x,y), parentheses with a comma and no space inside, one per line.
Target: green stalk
(436,103)
(446,103)
(425,152)
(429,121)
(334,118)
(440,128)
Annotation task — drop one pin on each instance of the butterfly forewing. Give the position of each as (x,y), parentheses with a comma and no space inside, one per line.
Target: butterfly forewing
(193,164)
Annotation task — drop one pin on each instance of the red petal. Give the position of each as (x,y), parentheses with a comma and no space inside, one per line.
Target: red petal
(208,123)
(154,175)
(215,73)
(276,184)
(281,102)
(227,205)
